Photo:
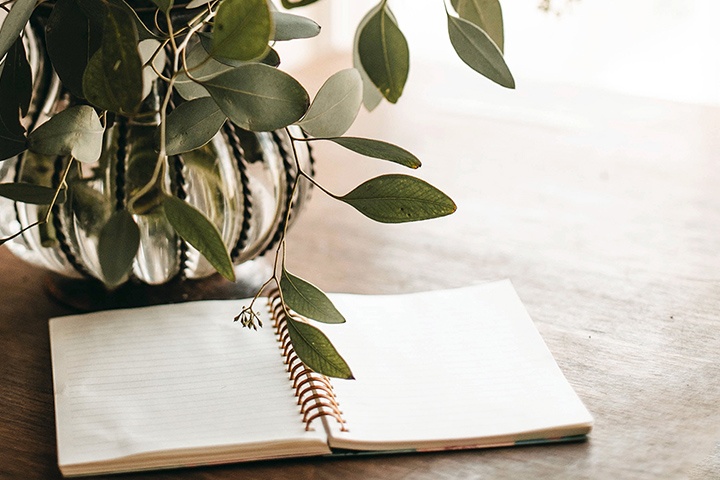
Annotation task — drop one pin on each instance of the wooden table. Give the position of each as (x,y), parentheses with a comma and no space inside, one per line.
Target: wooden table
(603,210)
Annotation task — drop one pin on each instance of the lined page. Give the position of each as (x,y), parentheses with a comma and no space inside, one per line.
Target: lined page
(170,378)
(452,368)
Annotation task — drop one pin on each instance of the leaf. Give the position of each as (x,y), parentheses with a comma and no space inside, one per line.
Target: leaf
(193,124)
(296,3)
(478,51)
(258,97)
(147,48)
(113,77)
(290,27)
(117,246)
(14,23)
(399,198)
(486,14)
(336,105)
(163,5)
(75,131)
(192,225)
(308,300)
(316,351)
(72,38)
(30,193)
(242,29)
(384,54)
(378,149)
(16,85)
(371,95)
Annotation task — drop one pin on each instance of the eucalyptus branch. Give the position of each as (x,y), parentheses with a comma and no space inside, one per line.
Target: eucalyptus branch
(59,188)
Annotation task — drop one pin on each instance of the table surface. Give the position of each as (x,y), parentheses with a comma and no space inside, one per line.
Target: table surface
(603,210)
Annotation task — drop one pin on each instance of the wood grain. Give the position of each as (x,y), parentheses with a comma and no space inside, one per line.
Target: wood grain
(603,210)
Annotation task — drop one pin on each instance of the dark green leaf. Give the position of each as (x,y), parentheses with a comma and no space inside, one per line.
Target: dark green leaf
(335,106)
(192,125)
(117,246)
(316,351)
(290,27)
(242,29)
(258,97)
(486,14)
(113,77)
(378,149)
(192,225)
(399,198)
(478,51)
(210,67)
(163,5)
(371,95)
(30,193)
(14,23)
(308,300)
(15,83)
(96,11)
(72,38)
(296,3)
(76,131)
(384,54)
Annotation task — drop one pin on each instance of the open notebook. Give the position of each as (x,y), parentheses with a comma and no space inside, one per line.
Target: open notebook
(177,385)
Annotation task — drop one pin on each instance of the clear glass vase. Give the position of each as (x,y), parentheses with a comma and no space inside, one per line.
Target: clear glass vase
(241,181)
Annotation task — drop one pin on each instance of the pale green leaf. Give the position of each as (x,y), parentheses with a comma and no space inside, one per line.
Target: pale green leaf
(14,23)
(242,29)
(384,54)
(399,198)
(75,131)
(31,193)
(117,246)
(147,48)
(194,227)
(477,50)
(316,351)
(335,106)
(486,14)
(378,149)
(258,97)
(308,300)
(193,124)
(290,27)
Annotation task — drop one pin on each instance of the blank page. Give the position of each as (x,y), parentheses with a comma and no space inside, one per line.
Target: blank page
(172,385)
(453,368)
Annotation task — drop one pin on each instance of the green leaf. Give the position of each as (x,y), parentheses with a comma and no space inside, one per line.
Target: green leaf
(399,198)
(16,85)
(31,193)
(163,5)
(336,105)
(75,131)
(477,50)
(371,95)
(384,54)
(14,23)
(486,14)
(258,97)
(242,29)
(308,300)
(290,27)
(378,149)
(113,77)
(316,351)
(72,38)
(296,3)
(193,124)
(192,225)
(117,246)
(147,48)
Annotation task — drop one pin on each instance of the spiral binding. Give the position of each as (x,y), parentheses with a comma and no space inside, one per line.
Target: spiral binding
(314,391)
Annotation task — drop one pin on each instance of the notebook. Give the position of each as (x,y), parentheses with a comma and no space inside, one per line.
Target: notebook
(180,385)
